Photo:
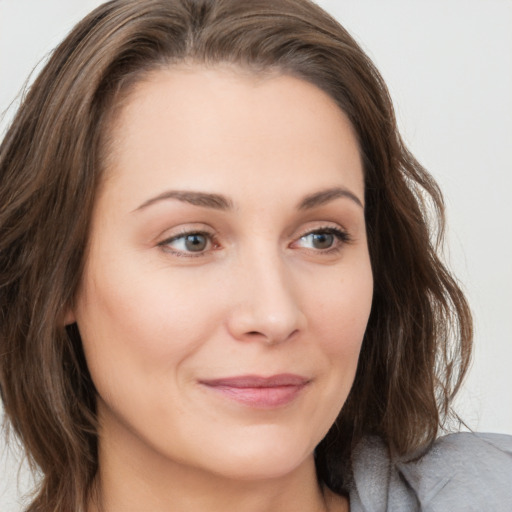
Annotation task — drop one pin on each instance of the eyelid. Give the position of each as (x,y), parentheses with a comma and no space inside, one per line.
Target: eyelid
(342,236)
(183,233)
(326,228)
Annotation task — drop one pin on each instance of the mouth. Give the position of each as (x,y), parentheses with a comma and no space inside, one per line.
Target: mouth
(259,392)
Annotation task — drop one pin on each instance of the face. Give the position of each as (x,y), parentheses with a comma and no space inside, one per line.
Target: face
(227,285)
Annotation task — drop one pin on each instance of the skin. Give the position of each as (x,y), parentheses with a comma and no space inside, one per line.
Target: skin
(270,290)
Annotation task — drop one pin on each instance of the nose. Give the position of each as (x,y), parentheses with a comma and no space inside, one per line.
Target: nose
(266,304)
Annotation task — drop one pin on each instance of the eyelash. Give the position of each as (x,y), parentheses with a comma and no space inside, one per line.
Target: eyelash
(341,236)
(211,239)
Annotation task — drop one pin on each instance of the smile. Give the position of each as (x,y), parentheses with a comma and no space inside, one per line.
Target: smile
(259,392)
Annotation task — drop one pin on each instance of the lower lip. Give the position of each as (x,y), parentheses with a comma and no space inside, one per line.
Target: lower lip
(261,397)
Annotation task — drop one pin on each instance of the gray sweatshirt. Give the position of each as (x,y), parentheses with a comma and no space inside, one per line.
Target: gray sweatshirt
(462,472)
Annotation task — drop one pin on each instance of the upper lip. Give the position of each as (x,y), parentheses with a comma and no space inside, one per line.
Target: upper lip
(257,381)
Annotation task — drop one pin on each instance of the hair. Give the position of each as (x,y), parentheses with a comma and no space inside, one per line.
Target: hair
(417,344)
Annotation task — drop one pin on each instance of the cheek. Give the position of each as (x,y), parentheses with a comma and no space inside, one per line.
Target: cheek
(340,317)
(139,323)
(340,313)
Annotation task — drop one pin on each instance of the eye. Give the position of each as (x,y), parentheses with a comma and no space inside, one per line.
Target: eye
(319,240)
(193,243)
(324,239)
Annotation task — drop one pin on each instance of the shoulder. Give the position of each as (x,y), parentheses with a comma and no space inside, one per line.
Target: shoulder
(460,472)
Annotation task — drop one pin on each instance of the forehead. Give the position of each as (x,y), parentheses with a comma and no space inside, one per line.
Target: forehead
(203,126)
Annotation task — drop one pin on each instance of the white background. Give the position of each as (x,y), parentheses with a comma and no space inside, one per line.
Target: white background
(448,64)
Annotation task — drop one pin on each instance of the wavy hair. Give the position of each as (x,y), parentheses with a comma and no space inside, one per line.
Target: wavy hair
(417,344)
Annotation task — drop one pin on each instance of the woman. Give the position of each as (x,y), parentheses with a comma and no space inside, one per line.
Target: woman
(219,288)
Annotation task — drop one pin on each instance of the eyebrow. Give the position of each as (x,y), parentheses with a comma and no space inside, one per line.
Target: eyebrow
(220,202)
(326,196)
(206,200)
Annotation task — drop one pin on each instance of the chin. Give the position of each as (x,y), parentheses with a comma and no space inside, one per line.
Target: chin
(259,459)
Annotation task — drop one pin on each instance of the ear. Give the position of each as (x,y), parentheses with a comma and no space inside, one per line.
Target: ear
(69,317)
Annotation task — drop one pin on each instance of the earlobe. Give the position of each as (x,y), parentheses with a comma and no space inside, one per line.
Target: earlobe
(69,317)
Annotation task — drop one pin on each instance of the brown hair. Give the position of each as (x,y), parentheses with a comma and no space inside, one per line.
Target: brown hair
(418,340)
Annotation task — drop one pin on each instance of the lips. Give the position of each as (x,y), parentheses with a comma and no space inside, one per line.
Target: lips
(257,391)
